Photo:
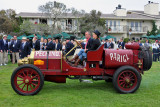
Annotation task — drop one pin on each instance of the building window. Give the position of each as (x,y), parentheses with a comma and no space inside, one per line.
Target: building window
(44,21)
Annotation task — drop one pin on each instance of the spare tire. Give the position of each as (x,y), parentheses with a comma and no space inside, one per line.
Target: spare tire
(150,59)
(146,58)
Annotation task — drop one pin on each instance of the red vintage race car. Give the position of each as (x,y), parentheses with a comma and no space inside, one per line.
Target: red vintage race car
(122,67)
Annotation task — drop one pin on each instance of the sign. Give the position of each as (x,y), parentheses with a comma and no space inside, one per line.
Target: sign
(119,57)
(51,55)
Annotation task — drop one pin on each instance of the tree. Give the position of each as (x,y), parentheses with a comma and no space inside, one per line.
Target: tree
(26,27)
(77,14)
(7,21)
(93,21)
(53,10)
(154,30)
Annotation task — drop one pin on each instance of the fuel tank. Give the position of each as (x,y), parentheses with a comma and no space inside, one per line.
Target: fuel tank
(116,58)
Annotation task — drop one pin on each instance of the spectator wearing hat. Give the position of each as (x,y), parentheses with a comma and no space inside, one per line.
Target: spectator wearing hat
(89,42)
(155,48)
(50,45)
(3,50)
(24,48)
(15,47)
(121,44)
(95,44)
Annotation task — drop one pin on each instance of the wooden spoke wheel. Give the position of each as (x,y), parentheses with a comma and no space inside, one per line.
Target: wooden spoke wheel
(126,79)
(27,80)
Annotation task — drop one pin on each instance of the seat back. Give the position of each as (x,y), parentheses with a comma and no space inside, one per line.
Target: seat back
(96,55)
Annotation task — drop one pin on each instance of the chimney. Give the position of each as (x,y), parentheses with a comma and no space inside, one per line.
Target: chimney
(120,11)
(151,8)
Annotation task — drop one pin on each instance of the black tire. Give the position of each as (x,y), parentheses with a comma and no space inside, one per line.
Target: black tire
(146,58)
(37,70)
(150,59)
(116,82)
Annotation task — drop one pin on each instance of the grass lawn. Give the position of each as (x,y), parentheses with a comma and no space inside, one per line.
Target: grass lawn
(74,93)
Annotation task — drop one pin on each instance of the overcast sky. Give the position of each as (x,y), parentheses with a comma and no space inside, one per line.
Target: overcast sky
(105,6)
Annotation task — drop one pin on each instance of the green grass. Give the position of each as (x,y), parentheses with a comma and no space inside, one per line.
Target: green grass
(74,93)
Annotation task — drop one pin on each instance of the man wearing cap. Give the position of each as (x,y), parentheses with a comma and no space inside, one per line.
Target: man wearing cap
(50,45)
(15,47)
(155,47)
(3,50)
(24,48)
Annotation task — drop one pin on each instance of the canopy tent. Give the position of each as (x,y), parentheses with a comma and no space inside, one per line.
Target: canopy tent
(109,36)
(158,36)
(81,38)
(102,38)
(145,36)
(9,37)
(152,37)
(20,37)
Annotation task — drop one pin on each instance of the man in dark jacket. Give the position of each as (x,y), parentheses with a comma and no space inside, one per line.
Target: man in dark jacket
(36,44)
(57,45)
(50,45)
(88,45)
(121,44)
(15,47)
(24,48)
(106,43)
(69,46)
(110,44)
(3,50)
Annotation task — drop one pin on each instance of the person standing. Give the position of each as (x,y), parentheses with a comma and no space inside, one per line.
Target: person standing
(57,45)
(69,46)
(41,43)
(140,44)
(3,50)
(36,43)
(24,48)
(159,51)
(44,46)
(15,47)
(121,44)
(110,44)
(155,47)
(106,44)
(50,45)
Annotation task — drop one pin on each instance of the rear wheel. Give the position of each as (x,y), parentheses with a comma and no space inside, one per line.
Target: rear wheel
(126,79)
(27,80)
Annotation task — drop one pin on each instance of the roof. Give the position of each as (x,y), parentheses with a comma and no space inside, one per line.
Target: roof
(131,14)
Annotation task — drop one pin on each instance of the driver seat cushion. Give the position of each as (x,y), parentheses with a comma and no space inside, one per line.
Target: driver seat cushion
(96,55)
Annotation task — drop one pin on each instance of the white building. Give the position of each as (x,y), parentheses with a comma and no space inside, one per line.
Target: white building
(120,23)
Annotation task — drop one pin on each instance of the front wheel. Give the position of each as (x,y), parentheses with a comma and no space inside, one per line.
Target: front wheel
(126,79)
(27,80)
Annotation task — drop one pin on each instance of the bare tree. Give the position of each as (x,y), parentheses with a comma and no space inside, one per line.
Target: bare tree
(77,14)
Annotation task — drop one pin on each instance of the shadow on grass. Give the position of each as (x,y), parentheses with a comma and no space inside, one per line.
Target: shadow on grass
(81,87)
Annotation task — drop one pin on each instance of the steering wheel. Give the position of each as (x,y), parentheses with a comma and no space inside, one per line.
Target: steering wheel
(78,43)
